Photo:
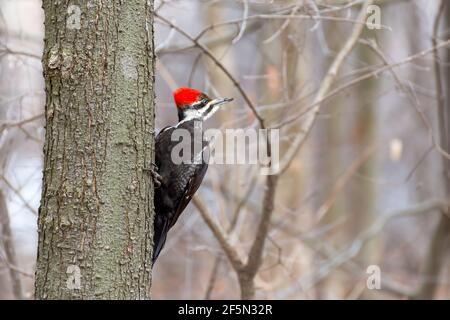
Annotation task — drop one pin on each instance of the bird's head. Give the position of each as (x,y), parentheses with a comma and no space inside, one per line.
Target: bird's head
(193,104)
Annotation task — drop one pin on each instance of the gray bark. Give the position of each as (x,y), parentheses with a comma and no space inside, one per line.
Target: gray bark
(96,210)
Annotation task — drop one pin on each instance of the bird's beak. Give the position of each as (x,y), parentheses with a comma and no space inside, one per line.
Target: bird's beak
(218,102)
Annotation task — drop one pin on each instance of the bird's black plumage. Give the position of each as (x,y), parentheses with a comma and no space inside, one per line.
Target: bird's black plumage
(179,182)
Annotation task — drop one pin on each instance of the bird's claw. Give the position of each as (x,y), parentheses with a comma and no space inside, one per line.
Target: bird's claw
(157,179)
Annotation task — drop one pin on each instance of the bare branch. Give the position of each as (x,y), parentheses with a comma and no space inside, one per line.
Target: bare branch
(210,55)
(340,257)
(6,125)
(327,82)
(17,192)
(441,235)
(218,232)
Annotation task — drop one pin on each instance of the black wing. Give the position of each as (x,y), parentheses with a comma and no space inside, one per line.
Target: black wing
(161,227)
(178,185)
(192,186)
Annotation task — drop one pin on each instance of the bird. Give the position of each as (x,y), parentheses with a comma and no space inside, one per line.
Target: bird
(175,182)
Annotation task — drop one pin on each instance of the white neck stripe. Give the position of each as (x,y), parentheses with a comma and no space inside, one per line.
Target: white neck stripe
(199,114)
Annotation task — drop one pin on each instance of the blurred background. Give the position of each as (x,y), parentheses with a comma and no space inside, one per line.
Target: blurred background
(366,194)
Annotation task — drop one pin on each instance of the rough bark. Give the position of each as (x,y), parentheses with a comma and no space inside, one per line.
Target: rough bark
(96,210)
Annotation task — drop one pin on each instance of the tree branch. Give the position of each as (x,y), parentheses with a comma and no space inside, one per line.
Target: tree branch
(325,87)
(219,234)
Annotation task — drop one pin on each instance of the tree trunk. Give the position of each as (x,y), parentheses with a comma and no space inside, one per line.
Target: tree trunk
(440,240)
(96,215)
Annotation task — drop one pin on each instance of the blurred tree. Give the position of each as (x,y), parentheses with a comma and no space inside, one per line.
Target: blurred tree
(95,219)
(9,249)
(440,239)
(328,202)
(361,198)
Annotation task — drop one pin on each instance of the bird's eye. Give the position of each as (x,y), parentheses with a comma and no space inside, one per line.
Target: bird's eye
(200,103)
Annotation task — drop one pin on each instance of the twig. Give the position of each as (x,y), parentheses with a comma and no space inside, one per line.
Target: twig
(10,252)
(210,55)
(6,50)
(283,17)
(357,80)
(17,192)
(213,277)
(438,145)
(354,248)
(244,23)
(242,203)
(342,181)
(20,123)
(232,226)
(219,234)
(256,251)
(283,26)
(441,238)
(324,88)
(210,42)
(247,273)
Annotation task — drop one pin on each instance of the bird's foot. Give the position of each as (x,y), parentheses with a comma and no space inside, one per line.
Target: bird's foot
(157,179)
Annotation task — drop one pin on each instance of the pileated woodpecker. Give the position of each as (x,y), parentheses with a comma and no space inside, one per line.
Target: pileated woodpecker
(176,183)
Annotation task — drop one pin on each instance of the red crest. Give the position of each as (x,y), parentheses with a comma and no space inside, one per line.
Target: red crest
(184,96)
